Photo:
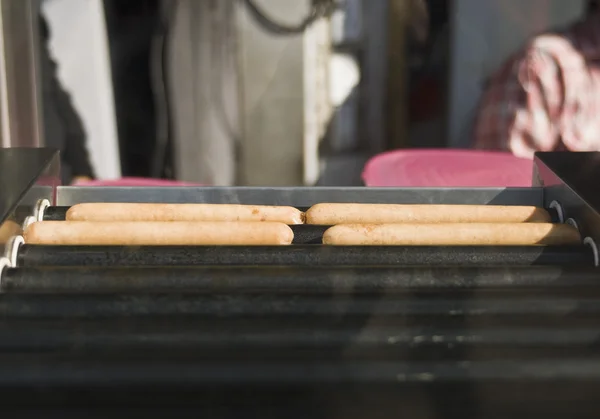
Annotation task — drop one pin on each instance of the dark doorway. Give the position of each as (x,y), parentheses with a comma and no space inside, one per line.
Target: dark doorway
(132,26)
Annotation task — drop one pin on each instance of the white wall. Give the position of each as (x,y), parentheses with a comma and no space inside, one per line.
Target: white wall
(484,34)
(80,46)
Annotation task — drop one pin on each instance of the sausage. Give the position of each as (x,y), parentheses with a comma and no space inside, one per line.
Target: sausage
(333,214)
(9,229)
(183,212)
(158,233)
(452,234)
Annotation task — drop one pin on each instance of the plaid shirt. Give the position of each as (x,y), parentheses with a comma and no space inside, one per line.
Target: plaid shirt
(547,97)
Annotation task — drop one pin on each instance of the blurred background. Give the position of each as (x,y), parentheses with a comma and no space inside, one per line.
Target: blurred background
(265,92)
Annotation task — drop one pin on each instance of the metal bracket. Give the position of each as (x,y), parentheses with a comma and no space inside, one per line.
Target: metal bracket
(12,250)
(570,187)
(555,205)
(588,241)
(4,265)
(40,209)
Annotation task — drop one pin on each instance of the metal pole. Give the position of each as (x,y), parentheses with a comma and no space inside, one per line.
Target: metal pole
(21,113)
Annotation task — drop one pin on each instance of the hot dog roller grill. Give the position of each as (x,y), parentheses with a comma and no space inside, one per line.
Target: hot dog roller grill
(305,330)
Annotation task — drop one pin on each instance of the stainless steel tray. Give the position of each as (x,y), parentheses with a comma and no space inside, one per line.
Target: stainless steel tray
(301,196)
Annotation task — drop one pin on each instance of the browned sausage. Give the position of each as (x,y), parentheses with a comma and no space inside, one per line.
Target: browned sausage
(158,233)
(183,212)
(9,229)
(332,214)
(524,234)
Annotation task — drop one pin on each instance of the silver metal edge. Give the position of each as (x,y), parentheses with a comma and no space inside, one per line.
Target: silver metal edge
(28,221)
(12,250)
(4,265)
(588,241)
(300,196)
(40,209)
(559,210)
(573,223)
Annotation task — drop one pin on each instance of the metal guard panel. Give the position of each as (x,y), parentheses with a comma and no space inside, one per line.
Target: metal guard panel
(26,176)
(300,196)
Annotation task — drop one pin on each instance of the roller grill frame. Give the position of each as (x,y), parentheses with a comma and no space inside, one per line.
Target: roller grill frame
(26,176)
(322,341)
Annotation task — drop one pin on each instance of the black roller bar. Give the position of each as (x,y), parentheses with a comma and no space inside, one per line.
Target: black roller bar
(59,213)
(304,255)
(97,395)
(62,370)
(308,234)
(540,280)
(269,339)
(493,398)
(55,213)
(460,304)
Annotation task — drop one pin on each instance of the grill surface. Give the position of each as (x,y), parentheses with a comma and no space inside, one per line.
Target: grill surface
(307,330)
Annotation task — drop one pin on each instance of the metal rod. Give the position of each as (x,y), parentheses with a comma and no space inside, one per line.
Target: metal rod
(290,280)
(308,234)
(20,306)
(21,112)
(304,255)
(62,370)
(95,301)
(55,213)
(72,388)
(271,341)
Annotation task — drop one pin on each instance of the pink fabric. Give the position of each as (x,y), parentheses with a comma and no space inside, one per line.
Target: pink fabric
(547,97)
(135,182)
(448,168)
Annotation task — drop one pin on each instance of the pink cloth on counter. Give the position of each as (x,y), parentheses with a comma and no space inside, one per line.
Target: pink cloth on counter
(448,168)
